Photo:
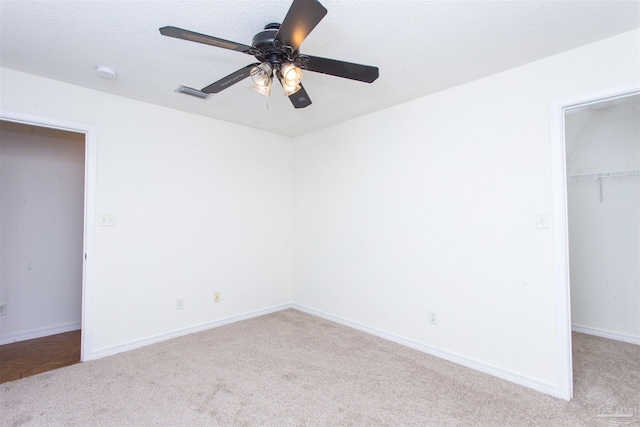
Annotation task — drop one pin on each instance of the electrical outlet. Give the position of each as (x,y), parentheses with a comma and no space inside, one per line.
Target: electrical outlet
(180,304)
(433,317)
(216,297)
(3,309)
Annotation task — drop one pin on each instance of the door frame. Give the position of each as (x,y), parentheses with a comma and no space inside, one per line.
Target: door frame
(560,218)
(89,233)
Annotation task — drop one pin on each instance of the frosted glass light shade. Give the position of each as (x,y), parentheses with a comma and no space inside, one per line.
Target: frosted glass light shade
(261,74)
(263,89)
(290,90)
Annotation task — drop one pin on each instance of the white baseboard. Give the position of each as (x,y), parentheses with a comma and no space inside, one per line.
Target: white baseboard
(618,336)
(131,345)
(513,377)
(39,333)
(534,384)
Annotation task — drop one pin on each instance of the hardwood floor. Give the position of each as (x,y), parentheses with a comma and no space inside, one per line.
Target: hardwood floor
(26,358)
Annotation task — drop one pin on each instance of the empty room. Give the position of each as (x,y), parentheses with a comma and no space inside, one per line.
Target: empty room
(303,212)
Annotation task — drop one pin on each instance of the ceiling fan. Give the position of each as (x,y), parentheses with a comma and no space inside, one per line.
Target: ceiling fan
(276,49)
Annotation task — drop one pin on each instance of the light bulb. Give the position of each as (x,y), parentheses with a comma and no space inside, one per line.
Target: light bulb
(291,75)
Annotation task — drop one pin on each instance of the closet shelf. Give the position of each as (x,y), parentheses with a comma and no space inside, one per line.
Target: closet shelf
(600,175)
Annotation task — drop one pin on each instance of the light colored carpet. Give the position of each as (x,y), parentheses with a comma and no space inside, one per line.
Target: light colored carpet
(290,368)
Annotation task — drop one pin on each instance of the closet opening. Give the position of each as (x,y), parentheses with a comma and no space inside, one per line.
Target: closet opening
(602,154)
(602,143)
(595,215)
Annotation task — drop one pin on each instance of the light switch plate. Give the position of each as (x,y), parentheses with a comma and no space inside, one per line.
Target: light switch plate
(106,220)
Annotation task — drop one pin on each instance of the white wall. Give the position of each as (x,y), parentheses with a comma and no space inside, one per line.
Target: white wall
(41,223)
(200,205)
(431,205)
(604,236)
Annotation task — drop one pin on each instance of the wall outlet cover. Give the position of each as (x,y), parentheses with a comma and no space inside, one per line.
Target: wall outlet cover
(433,317)
(3,309)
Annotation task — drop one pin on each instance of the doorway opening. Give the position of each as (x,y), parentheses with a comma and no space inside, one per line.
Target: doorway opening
(41,229)
(560,222)
(87,135)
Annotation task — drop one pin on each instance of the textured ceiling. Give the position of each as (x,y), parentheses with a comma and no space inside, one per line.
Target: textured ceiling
(421,47)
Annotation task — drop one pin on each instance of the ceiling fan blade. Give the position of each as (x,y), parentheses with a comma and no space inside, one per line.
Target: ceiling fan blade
(300,99)
(302,18)
(348,70)
(179,33)
(229,80)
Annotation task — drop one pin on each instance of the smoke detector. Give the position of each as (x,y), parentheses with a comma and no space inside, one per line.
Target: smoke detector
(106,72)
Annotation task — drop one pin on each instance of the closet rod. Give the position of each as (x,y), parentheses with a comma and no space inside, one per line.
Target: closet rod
(603,175)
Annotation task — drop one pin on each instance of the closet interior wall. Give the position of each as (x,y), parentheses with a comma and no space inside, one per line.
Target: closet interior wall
(603,191)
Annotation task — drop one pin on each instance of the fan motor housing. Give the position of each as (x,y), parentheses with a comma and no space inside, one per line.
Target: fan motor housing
(265,38)
(267,48)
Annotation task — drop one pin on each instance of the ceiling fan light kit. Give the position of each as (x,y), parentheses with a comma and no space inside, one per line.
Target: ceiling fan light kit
(276,49)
